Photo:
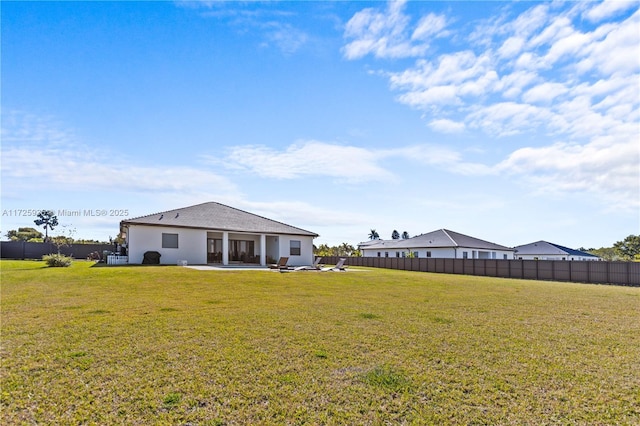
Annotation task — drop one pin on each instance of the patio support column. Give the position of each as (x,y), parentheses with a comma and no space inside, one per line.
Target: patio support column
(263,250)
(225,248)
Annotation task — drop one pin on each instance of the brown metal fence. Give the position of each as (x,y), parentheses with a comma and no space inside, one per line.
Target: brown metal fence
(617,273)
(26,250)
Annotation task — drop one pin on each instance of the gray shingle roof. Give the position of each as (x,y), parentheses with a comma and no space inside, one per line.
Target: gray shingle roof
(219,217)
(547,248)
(438,239)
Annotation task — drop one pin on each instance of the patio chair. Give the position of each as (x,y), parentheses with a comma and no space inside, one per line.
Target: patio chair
(314,267)
(282,264)
(339,266)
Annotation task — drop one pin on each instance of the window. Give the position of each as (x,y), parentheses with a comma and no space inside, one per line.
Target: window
(386,254)
(465,255)
(378,254)
(169,240)
(415,254)
(428,254)
(294,248)
(504,256)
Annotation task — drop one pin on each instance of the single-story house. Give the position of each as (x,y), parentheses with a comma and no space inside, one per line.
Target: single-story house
(212,233)
(543,250)
(442,243)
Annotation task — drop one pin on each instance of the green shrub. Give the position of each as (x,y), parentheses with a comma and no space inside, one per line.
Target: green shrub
(57,260)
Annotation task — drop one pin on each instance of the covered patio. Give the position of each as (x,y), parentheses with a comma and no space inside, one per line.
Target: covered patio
(227,248)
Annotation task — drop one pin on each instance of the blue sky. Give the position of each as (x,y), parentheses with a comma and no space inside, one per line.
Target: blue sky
(510,122)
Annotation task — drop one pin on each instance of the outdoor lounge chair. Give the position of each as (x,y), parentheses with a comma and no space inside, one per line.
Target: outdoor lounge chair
(339,266)
(314,267)
(282,264)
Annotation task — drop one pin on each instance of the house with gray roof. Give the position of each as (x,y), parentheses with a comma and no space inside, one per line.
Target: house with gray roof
(543,250)
(441,243)
(213,233)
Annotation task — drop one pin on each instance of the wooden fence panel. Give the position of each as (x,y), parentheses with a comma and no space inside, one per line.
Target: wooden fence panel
(456,266)
(516,269)
(27,250)
(530,269)
(621,273)
(480,267)
(618,272)
(598,272)
(545,269)
(633,274)
(579,272)
(467,266)
(561,270)
(491,268)
(503,268)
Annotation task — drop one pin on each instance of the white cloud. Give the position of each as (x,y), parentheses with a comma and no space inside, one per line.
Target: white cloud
(348,163)
(436,95)
(444,125)
(615,50)
(608,170)
(429,26)
(545,92)
(73,170)
(537,73)
(38,153)
(309,158)
(608,8)
(511,47)
(508,118)
(386,34)
(285,37)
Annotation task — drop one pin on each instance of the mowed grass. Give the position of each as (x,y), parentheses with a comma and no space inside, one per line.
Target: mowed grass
(172,345)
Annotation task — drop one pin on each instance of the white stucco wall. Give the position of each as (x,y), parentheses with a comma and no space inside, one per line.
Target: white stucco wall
(306,249)
(553,257)
(192,244)
(441,253)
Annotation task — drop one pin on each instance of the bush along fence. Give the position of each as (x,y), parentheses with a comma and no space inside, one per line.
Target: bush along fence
(26,250)
(618,273)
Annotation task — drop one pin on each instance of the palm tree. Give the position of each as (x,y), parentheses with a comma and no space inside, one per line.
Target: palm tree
(373,235)
(346,249)
(405,235)
(395,235)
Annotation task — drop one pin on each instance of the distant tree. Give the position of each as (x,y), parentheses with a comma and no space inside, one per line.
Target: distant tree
(604,253)
(405,235)
(345,249)
(629,248)
(373,235)
(323,250)
(25,234)
(395,235)
(48,220)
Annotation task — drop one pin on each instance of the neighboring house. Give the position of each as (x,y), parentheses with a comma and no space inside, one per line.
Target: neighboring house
(212,233)
(543,250)
(437,244)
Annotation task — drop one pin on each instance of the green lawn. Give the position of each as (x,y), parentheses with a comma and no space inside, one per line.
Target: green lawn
(172,345)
